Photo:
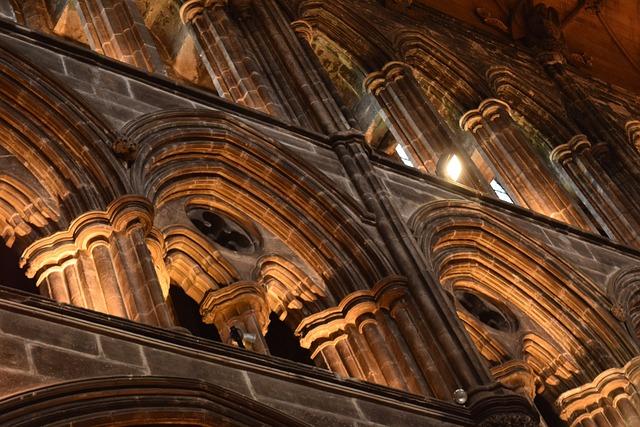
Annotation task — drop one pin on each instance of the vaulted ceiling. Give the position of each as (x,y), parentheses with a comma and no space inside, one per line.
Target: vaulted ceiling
(603,36)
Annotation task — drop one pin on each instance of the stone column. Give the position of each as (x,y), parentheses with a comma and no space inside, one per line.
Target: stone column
(242,306)
(611,207)
(230,62)
(369,336)
(612,399)
(616,157)
(449,358)
(413,122)
(103,262)
(508,149)
(288,65)
(115,28)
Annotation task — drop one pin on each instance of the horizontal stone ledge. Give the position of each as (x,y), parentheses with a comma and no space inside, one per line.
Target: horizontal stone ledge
(34,306)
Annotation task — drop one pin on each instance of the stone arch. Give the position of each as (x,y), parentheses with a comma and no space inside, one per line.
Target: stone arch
(349,30)
(451,85)
(194,263)
(535,109)
(211,158)
(473,249)
(46,135)
(623,288)
(139,401)
(633,134)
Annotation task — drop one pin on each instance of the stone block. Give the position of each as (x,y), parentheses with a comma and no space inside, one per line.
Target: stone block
(165,363)
(156,97)
(14,382)
(389,416)
(121,351)
(48,333)
(310,416)
(67,365)
(13,353)
(308,396)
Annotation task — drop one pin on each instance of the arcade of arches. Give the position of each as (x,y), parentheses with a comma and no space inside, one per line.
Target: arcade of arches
(243,212)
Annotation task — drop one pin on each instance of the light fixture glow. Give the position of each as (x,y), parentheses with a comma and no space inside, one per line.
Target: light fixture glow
(454,168)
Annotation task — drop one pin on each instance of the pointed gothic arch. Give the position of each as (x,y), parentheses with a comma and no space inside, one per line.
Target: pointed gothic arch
(208,158)
(46,135)
(135,401)
(546,115)
(474,250)
(448,82)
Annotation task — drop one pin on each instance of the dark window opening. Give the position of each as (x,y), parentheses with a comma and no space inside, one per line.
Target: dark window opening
(547,412)
(283,343)
(11,275)
(187,313)
(485,312)
(222,230)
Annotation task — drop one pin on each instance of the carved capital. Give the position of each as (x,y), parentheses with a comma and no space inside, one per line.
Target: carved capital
(355,309)
(347,136)
(633,132)
(377,81)
(489,110)
(303,30)
(492,405)
(88,230)
(124,148)
(219,306)
(575,146)
(191,9)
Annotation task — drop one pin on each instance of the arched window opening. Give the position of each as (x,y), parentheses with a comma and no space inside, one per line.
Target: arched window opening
(12,276)
(500,191)
(283,343)
(187,313)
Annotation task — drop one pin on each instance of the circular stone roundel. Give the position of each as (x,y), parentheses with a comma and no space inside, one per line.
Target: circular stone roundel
(222,229)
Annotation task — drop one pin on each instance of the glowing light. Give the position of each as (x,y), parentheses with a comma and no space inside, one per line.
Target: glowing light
(454,168)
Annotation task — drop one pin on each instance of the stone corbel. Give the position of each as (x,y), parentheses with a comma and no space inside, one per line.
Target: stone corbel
(633,132)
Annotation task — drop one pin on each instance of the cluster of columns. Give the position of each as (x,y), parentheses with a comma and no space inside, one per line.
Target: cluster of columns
(611,399)
(376,336)
(115,28)
(108,261)
(256,59)
(603,166)
(515,160)
(239,310)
